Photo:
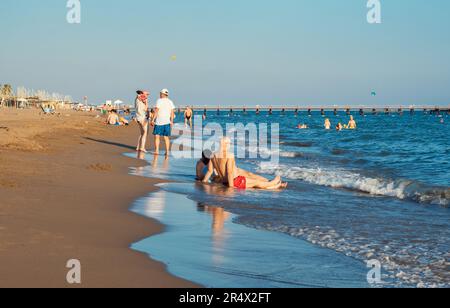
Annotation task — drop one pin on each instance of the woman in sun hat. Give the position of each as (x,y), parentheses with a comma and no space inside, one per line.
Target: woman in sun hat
(141,105)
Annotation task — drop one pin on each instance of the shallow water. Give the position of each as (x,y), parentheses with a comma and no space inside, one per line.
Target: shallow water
(380,192)
(202,244)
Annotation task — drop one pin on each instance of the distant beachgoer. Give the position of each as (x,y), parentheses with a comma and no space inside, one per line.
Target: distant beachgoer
(224,164)
(141,105)
(351,123)
(302,126)
(327,124)
(113,118)
(124,121)
(188,114)
(339,126)
(163,121)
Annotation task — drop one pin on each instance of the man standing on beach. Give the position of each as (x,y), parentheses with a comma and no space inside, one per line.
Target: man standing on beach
(163,121)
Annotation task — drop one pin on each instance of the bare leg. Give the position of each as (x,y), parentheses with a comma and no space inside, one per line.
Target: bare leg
(143,137)
(278,186)
(157,142)
(249,175)
(140,137)
(167,141)
(275,184)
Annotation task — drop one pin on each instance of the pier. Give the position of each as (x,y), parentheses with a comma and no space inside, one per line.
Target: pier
(438,110)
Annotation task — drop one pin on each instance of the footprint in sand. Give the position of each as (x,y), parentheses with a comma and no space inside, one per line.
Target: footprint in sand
(100,167)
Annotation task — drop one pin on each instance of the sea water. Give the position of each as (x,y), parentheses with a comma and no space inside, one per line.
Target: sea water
(380,192)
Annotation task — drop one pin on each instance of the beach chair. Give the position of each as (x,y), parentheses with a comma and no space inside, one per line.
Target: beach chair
(47,111)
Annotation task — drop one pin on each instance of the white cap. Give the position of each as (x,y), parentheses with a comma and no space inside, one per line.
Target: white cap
(165,91)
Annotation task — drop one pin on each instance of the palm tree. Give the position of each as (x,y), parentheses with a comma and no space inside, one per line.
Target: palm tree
(7,91)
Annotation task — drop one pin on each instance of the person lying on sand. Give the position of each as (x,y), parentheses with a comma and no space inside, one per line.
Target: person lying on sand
(224,164)
(124,121)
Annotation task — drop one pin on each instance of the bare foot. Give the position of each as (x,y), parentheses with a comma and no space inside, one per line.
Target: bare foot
(275,183)
(275,186)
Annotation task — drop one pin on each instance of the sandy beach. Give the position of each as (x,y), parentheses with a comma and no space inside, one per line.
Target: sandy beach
(65,194)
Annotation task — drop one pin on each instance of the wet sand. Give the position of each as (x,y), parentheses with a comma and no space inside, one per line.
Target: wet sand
(205,243)
(65,194)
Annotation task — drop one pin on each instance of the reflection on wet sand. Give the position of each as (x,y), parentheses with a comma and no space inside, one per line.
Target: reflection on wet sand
(141,171)
(141,155)
(216,190)
(219,232)
(165,165)
(219,217)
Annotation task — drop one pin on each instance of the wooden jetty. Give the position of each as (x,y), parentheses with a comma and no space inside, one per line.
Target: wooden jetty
(324,110)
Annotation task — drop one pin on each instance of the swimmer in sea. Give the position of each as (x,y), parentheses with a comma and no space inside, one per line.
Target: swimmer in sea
(327,124)
(339,127)
(351,123)
(188,113)
(302,126)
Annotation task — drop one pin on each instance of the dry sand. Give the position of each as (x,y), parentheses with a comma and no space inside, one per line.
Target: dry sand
(64,194)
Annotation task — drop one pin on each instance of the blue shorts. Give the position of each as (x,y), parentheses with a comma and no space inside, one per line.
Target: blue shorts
(163,130)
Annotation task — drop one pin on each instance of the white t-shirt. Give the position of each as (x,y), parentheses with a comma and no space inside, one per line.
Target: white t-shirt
(165,107)
(141,110)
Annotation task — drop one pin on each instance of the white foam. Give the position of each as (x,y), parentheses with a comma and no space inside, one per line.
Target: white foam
(341,178)
(399,261)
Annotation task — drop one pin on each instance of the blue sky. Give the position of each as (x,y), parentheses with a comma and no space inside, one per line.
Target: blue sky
(231,52)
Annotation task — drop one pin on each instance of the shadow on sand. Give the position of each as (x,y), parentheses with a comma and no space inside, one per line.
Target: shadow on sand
(121,145)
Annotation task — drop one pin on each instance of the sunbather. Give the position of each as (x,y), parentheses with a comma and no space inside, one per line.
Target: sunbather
(113,118)
(224,164)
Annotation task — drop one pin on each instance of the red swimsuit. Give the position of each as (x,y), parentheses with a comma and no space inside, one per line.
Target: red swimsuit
(240,182)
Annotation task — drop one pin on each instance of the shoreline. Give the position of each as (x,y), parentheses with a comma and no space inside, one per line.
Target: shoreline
(220,253)
(63,197)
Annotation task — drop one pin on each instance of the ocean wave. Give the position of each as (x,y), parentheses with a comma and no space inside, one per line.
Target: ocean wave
(340,178)
(400,261)
(287,154)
